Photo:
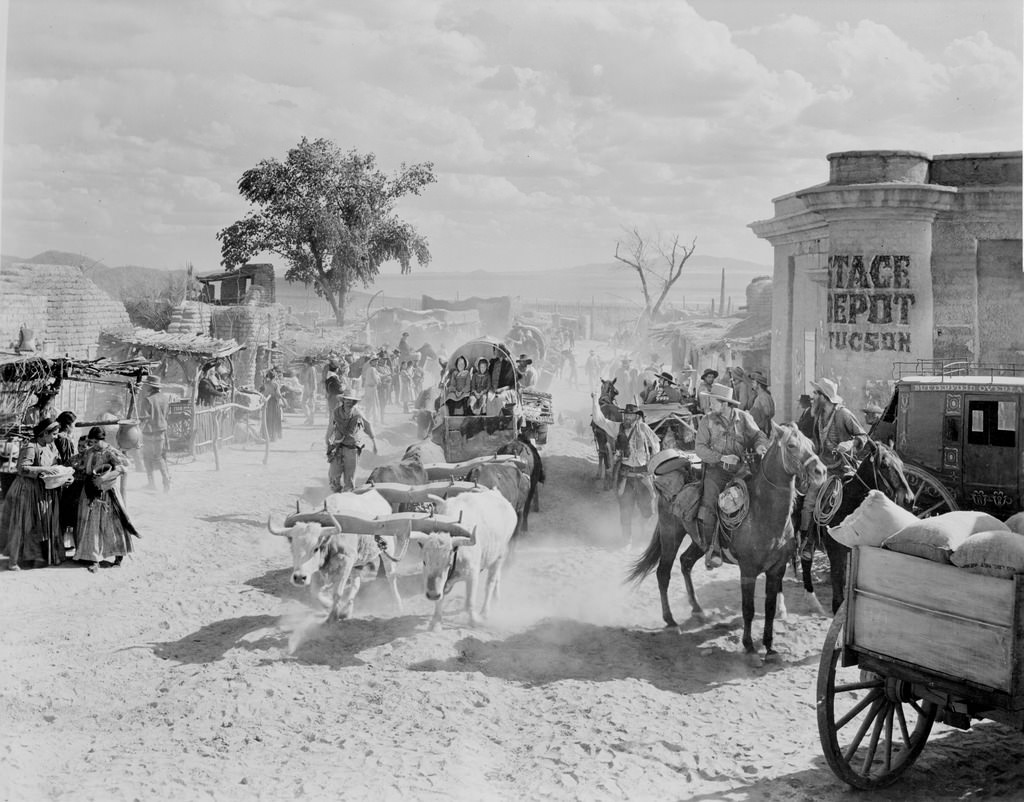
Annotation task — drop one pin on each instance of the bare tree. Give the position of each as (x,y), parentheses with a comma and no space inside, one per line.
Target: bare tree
(657,273)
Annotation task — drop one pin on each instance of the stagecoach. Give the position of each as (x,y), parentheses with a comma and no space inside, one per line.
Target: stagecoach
(915,642)
(528,412)
(958,428)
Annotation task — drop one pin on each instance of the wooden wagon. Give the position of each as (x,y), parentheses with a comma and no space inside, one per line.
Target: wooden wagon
(465,437)
(915,642)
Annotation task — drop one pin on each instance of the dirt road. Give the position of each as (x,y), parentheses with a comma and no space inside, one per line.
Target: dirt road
(196,671)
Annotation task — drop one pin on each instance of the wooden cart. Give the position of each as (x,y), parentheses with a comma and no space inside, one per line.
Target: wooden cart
(915,642)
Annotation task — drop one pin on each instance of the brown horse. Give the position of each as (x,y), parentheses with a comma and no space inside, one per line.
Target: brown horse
(761,544)
(606,401)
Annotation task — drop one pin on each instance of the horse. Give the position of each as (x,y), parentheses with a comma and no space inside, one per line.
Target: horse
(606,401)
(880,469)
(762,543)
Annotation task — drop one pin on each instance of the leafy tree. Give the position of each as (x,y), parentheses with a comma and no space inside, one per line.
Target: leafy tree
(657,273)
(331,215)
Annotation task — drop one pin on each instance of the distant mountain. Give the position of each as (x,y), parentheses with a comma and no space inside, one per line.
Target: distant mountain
(117,282)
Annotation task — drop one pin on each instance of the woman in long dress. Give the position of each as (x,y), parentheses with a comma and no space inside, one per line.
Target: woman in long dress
(275,406)
(30,522)
(103,527)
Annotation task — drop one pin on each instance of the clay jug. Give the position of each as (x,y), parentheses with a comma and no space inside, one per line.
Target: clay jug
(128,436)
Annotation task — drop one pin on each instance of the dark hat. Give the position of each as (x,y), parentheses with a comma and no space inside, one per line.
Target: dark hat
(524,359)
(405,334)
(666,376)
(709,372)
(632,409)
(46,392)
(45,425)
(804,399)
(758,376)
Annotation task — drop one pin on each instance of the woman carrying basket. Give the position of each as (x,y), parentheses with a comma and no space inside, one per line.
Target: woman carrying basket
(103,527)
(30,523)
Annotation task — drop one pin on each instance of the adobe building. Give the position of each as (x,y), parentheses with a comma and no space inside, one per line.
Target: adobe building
(900,257)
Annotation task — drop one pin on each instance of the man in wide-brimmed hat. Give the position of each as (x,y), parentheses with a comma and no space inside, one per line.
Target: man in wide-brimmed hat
(833,423)
(525,371)
(762,407)
(881,430)
(703,389)
(346,438)
(724,436)
(805,417)
(741,389)
(664,390)
(633,445)
(153,415)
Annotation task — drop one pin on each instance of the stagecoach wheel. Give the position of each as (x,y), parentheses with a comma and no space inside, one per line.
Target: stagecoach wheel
(930,497)
(871,727)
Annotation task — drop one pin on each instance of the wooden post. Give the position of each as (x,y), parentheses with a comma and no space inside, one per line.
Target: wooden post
(263,430)
(216,438)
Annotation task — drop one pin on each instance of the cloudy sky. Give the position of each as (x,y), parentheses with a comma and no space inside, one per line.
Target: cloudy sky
(551,125)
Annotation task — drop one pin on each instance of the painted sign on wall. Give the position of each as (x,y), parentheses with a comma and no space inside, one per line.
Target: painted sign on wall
(869,302)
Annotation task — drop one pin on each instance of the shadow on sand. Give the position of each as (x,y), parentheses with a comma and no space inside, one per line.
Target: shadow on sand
(557,649)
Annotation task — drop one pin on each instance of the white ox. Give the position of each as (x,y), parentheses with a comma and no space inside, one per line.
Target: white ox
(448,559)
(330,562)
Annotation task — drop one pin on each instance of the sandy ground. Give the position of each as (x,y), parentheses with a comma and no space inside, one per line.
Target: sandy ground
(196,671)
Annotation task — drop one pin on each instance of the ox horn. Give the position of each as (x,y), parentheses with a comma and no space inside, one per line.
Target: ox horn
(283,532)
(465,541)
(434,499)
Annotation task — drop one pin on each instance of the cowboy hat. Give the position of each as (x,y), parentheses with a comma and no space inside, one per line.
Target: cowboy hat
(666,376)
(45,425)
(350,395)
(632,409)
(759,377)
(709,372)
(720,392)
(873,408)
(829,389)
(671,459)
(524,360)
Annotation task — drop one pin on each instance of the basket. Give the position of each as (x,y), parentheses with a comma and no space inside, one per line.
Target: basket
(58,476)
(105,477)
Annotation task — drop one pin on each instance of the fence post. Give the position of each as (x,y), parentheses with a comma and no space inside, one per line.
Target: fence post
(216,439)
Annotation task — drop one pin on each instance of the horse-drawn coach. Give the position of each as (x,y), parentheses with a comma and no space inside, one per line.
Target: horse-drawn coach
(958,429)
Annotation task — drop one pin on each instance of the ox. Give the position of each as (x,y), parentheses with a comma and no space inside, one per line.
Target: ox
(448,559)
(511,482)
(528,453)
(331,562)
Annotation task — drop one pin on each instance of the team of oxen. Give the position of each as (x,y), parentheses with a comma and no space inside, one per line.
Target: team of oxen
(463,517)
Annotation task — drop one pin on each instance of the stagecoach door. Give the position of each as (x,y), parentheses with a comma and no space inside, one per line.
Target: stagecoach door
(991,445)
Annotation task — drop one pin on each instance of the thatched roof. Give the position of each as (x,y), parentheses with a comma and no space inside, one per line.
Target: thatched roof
(196,345)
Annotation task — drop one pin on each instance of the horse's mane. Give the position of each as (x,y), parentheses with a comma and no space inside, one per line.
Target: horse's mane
(783,434)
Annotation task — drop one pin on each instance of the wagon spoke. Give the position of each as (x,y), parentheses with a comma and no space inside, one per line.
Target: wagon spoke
(917,707)
(855,743)
(856,710)
(876,731)
(859,686)
(887,766)
(937,506)
(903,726)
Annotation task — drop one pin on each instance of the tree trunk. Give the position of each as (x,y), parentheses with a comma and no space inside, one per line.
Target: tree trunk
(339,306)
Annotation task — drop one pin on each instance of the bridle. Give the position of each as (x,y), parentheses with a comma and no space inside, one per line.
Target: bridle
(801,471)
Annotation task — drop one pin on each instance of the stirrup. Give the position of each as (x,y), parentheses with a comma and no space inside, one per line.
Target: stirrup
(712,560)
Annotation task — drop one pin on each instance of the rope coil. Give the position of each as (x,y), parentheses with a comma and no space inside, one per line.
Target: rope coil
(829,500)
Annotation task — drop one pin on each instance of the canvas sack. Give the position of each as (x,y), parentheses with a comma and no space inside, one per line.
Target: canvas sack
(872,522)
(999,553)
(1015,523)
(937,538)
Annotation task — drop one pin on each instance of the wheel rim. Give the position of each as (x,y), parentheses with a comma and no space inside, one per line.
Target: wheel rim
(930,496)
(872,728)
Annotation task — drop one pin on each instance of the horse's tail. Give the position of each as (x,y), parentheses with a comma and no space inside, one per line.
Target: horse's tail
(647,561)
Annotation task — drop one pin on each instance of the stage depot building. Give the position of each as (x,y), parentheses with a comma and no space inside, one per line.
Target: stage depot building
(899,257)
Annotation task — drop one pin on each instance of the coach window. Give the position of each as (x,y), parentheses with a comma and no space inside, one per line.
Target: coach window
(992,423)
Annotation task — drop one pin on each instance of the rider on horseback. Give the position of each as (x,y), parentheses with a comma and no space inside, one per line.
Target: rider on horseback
(635,444)
(834,424)
(724,437)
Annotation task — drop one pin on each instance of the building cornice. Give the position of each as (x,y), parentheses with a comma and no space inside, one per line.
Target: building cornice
(879,201)
(789,228)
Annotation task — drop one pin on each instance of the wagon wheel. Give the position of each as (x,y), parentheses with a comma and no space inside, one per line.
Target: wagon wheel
(930,496)
(872,728)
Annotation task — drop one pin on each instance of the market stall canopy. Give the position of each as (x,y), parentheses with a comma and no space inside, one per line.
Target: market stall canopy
(196,345)
(43,369)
